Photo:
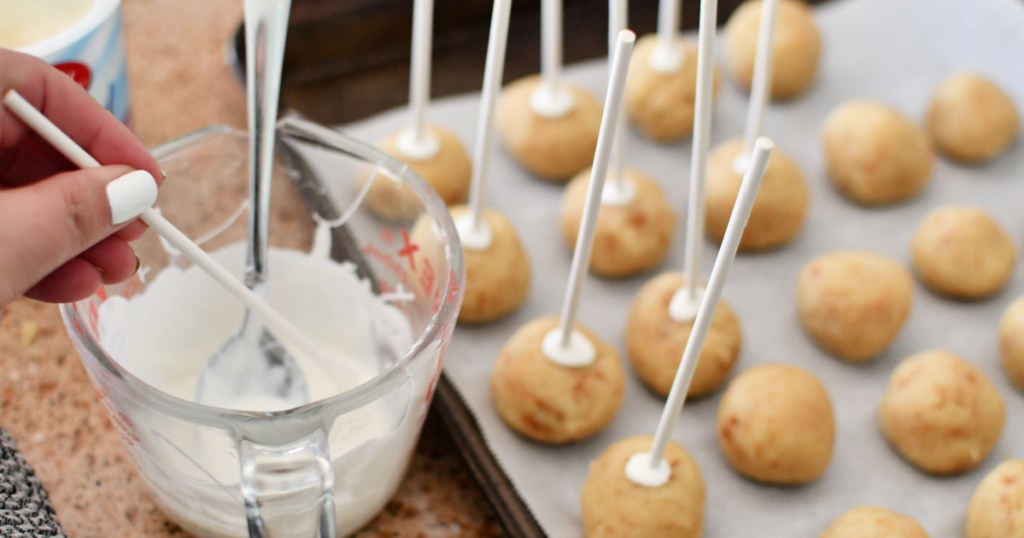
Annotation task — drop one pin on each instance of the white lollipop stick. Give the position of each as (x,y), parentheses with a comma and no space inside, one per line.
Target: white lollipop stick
(550,99)
(561,348)
(649,468)
(415,142)
(281,327)
(762,81)
(684,303)
(665,58)
(473,231)
(618,191)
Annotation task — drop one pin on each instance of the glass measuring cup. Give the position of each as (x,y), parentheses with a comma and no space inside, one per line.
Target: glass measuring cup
(323,469)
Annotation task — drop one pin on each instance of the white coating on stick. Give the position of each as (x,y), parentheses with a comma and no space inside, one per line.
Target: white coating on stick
(761,85)
(281,327)
(719,274)
(493,69)
(585,238)
(665,58)
(701,137)
(417,143)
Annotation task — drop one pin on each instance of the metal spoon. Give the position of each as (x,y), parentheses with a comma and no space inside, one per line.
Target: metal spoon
(252,364)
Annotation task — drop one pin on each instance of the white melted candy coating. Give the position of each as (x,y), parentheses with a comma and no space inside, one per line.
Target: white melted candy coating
(640,471)
(577,353)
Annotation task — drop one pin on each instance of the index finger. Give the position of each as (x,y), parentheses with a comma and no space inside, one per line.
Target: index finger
(73,110)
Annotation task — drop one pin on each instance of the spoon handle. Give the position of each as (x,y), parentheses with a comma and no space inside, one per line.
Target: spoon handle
(266,26)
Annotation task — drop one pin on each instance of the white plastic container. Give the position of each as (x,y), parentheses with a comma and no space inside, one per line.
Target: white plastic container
(91,51)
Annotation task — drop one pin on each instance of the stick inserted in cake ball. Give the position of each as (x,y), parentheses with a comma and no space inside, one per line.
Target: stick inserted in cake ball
(666,58)
(649,468)
(473,229)
(762,83)
(416,141)
(684,303)
(563,345)
(551,99)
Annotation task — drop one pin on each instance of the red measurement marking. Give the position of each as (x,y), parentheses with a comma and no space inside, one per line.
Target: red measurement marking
(94,316)
(387,236)
(79,72)
(427,277)
(409,249)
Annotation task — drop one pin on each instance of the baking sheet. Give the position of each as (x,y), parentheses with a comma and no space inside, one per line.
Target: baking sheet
(895,52)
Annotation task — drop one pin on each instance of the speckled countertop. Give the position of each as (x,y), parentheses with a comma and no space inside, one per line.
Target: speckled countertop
(180,82)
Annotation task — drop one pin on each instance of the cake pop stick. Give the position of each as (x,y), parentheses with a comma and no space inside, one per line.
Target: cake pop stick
(666,59)
(281,327)
(618,191)
(762,82)
(649,468)
(684,303)
(550,99)
(563,345)
(416,142)
(473,230)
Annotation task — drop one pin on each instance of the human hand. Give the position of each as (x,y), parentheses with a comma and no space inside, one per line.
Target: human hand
(57,238)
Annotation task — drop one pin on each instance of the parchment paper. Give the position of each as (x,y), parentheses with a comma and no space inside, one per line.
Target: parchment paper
(894,51)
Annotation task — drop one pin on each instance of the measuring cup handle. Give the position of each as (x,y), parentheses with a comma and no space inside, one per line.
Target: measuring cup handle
(288,489)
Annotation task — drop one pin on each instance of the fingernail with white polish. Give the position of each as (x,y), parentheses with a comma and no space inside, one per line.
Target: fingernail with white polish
(130,195)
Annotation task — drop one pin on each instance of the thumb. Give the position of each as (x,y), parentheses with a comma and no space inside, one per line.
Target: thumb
(47,223)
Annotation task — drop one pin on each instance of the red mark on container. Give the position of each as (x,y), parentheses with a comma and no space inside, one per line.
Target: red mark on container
(79,72)
(409,250)
(387,236)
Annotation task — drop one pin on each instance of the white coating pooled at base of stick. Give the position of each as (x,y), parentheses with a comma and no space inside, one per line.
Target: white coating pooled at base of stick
(418,148)
(684,305)
(479,237)
(577,353)
(640,471)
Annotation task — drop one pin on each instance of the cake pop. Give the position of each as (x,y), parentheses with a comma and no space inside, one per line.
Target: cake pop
(796,53)
(970,119)
(654,338)
(874,155)
(435,154)
(554,381)
(497,266)
(996,509)
(854,303)
(961,251)
(874,522)
(775,425)
(1011,342)
(548,125)
(615,506)
(941,413)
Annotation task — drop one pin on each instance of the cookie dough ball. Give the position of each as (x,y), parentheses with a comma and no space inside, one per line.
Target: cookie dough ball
(796,51)
(941,413)
(872,522)
(874,155)
(615,506)
(629,238)
(655,342)
(971,119)
(551,148)
(1011,342)
(498,277)
(551,403)
(448,172)
(662,104)
(853,303)
(779,207)
(961,251)
(997,507)
(775,425)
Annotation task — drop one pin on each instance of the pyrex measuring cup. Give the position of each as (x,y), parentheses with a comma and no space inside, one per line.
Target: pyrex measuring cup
(323,469)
